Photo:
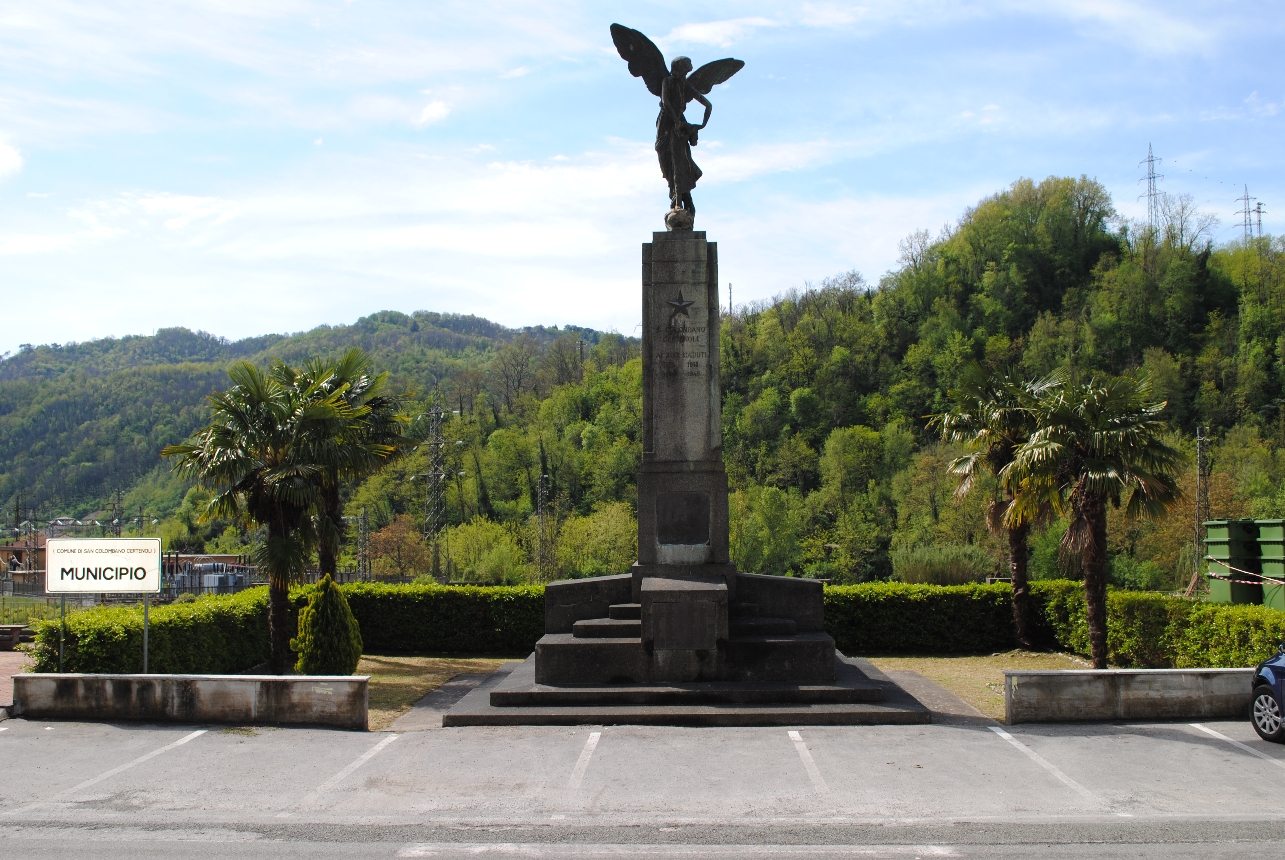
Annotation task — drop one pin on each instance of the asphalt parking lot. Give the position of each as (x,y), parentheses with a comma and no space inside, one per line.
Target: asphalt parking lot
(960,788)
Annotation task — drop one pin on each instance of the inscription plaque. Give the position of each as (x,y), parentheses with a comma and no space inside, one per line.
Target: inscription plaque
(682,518)
(685,626)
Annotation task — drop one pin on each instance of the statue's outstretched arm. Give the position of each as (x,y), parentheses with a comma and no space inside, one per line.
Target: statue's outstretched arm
(709,108)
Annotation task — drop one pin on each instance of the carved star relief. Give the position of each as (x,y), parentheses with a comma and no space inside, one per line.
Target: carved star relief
(680,307)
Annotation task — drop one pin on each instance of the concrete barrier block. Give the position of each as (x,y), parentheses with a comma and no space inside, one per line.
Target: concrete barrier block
(1126,694)
(341,701)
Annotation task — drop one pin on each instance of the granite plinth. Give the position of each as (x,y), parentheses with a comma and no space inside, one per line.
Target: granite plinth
(897,707)
(563,659)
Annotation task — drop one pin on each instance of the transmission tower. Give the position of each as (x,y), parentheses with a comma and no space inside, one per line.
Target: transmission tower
(118,513)
(1258,218)
(1153,192)
(435,497)
(1247,214)
(545,524)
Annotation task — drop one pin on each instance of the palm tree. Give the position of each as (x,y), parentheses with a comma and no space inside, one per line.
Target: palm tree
(1096,442)
(372,437)
(994,414)
(263,454)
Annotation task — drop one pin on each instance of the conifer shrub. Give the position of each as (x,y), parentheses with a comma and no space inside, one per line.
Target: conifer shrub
(329,640)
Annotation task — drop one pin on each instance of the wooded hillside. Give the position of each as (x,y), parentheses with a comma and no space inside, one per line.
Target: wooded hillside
(827,392)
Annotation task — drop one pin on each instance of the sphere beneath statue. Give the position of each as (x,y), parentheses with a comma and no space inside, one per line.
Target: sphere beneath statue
(677,220)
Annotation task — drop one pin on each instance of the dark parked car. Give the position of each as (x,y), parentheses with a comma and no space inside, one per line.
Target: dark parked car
(1266,710)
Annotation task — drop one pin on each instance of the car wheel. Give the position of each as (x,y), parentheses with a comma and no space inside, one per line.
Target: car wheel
(1265,714)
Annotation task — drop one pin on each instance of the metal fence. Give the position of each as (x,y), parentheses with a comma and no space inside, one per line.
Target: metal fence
(198,580)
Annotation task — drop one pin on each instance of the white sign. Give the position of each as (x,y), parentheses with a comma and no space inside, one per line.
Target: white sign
(97,565)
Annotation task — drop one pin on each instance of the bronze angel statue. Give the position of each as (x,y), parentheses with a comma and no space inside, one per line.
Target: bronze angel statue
(675,136)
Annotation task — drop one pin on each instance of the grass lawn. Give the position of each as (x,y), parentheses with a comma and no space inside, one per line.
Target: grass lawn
(396,683)
(979,680)
(20,609)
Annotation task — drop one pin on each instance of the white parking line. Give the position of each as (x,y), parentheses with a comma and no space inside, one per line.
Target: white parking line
(126,766)
(1239,745)
(808,764)
(590,851)
(153,754)
(342,775)
(1038,759)
(583,763)
(4,728)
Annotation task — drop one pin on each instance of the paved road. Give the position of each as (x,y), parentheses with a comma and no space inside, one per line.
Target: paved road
(961,789)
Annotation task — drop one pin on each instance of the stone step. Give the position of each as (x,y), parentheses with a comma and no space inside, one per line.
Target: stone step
(744,610)
(850,685)
(625,611)
(565,660)
(763,626)
(607,628)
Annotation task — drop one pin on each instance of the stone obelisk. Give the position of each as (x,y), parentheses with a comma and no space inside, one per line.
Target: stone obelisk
(683,580)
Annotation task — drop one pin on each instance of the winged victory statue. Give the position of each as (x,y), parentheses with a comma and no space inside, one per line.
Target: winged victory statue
(676,86)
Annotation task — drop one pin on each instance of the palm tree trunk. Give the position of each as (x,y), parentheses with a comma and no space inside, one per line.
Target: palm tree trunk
(1095,581)
(1017,552)
(278,626)
(331,533)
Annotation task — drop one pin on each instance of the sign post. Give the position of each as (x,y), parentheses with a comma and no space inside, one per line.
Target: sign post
(103,566)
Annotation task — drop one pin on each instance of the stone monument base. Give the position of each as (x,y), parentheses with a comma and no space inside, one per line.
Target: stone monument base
(684,624)
(860,695)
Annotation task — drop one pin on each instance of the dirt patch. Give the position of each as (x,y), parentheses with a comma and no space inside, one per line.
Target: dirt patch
(979,680)
(396,683)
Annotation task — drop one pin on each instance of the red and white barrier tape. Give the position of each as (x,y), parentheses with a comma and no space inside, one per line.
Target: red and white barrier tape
(1261,579)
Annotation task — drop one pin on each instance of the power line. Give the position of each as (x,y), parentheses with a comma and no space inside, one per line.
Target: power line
(1153,192)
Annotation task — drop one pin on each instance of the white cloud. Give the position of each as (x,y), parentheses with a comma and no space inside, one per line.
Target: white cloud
(433,112)
(516,73)
(832,14)
(721,33)
(10,158)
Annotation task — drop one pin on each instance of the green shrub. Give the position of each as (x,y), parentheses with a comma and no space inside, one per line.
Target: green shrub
(230,633)
(329,640)
(893,617)
(419,619)
(215,634)
(1146,630)
(942,564)
(1126,572)
(1228,636)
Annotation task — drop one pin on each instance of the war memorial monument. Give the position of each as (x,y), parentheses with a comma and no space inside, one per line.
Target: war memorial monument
(684,638)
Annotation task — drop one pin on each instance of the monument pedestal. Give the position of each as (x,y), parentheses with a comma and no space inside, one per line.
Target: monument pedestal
(683,616)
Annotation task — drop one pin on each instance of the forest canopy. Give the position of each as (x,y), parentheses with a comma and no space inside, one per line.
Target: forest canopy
(827,392)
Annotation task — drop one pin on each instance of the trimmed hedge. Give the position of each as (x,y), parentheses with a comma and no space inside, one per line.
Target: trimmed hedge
(230,633)
(212,635)
(222,634)
(418,619)
(896,618)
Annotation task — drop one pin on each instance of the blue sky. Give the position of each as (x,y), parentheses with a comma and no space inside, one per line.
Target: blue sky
(252,166)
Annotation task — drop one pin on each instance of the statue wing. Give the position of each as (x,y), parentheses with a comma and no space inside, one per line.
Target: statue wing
(644,58)
(712,74)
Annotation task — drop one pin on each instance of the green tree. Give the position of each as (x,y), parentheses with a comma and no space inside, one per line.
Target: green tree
(994,414)
(603,543)
(1095,443)
(372,436)
(264,455)
(329,640)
